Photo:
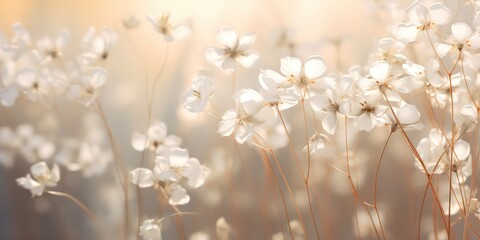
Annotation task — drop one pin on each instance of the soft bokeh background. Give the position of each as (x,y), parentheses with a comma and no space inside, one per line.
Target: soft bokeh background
(344,32)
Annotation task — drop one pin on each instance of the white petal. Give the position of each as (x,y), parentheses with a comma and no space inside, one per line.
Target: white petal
(364,123)
(407,32)
(228,65)
(439,13)
(39,170)
(244,133)
(181,31)
(461,150)
(418,12)
(178,157)
(227,37)
(443,48)
(461,31)
(142,177)
(314,67)
(138,141)
(214,56)
(380,71)
(330,122)
(178,196)
(246,41)
(408,114)
(247,60)
(290,66)
(228,123)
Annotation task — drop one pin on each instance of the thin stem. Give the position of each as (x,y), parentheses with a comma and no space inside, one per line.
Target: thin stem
(86,210)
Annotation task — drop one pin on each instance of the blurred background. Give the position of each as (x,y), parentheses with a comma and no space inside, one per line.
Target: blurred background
(343,32)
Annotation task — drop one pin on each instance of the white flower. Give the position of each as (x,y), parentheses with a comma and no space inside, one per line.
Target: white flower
(407,115)
(131,22)
(156,139)
(435,153)
(467,117)
(196,98)
(164,26)
(177,165)
(383,81)
(151,230)
(368,112)
(333,101)
(50,49)
(317,142)
(41,177)
(389,50)
(35,84)
(275,92)
(421,18)
(250,112)
(234,50)
(98,46)
(88,88)
(462,39)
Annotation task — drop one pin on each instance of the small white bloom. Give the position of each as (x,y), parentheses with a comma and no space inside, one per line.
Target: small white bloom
(196,98)
(250,112)
(88,88)
(421,18)
(462,39)
(41,177)
(151,230)
(170,32)
(131,22)
(50,49)
(234,50)
(156,139)
(98,46)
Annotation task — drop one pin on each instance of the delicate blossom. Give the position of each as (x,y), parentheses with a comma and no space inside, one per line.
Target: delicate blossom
(87,89)
(51,49)
(421,18)
(151,230)
(463,39)
(234,50)
(196,97)
(98,47)
(156,139)
(436,155)
(170,32)
(250,113)
(41,178)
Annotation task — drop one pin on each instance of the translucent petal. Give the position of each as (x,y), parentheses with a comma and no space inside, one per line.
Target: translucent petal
(443,48)
(179,196)
(178,157)
(228,38)
(380,71)
(330,122)
(439,13)
(407,32)
(142,177)
(247,60)
(314,67)
(139,141)
(181,31)
(246,41)
(461,32)
(290,66)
